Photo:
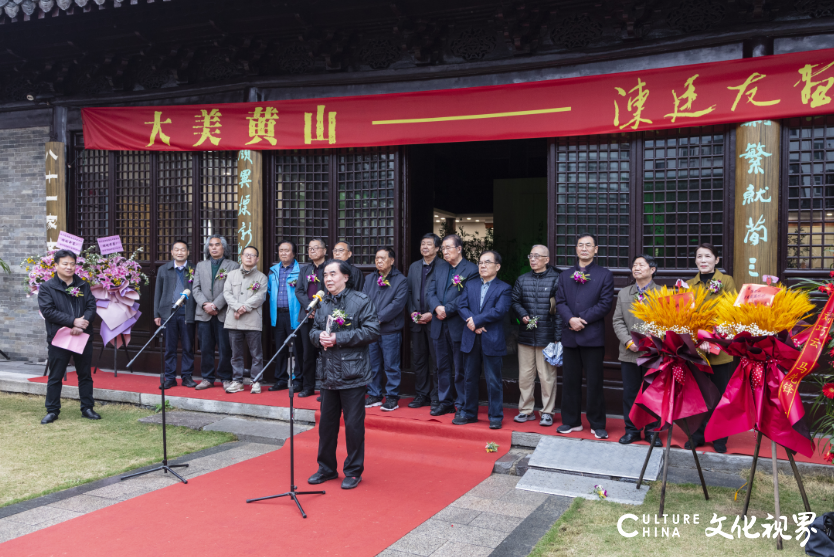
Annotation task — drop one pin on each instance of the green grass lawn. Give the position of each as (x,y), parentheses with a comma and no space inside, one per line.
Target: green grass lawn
(38,459)
(589,528)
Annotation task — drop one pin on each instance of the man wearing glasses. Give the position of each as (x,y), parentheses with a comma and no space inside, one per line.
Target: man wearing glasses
(483,304)
(310,281)
(342,252)
(450,277)
(245,292)
(538,327)
(583,299)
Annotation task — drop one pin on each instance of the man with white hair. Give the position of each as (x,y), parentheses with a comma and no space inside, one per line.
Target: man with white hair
(207,290)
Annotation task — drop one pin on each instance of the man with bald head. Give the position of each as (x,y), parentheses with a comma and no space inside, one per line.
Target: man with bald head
(539,325)
(342,252)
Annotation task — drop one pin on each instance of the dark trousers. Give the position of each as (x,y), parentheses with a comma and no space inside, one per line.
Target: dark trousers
(385,361)
(305,363)
(176,331)
(589,359)
(632,379)
(450,373)
(213,334)
(473,362)
(283,328)
(241,341)
(424,363)
(351,402)
(720,377)
(58,361)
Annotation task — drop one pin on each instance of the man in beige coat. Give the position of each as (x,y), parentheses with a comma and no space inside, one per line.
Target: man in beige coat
(643,269)
(245,292)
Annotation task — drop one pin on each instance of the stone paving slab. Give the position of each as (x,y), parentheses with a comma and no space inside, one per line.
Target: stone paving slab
(184,418)
(571,485)
(239,426)
(601,458)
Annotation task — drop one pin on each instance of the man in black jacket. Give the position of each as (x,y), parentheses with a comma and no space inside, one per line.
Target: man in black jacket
(388,290)
(423,359)
(344,369)
(172,279)
(537,328)
(583,299)
(343,252)
(65,301)
(310,281)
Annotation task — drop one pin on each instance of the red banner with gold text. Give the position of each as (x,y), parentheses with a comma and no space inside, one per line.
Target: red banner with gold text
(724,92)
(789,387)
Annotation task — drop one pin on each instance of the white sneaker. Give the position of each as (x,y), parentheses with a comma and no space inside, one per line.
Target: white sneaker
(234,387)
(226,384)
(256,388)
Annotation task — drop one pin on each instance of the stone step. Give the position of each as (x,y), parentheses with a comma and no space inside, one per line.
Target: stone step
(595,458)
(573,485)
(246,429)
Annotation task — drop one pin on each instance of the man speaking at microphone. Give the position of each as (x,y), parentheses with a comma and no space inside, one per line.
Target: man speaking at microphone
(172,279)
(345,325)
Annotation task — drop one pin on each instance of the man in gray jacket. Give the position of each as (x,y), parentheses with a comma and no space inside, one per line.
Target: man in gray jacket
(207,292)
(245,292)
(642,269)
(171,280)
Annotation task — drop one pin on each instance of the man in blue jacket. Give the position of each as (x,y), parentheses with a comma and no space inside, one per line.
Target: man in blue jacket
(450,277)
(583,299)
(388,290)
(483,305)
(283,309)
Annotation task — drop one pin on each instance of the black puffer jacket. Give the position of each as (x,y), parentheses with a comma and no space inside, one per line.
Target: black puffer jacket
(531,297)
(348,364)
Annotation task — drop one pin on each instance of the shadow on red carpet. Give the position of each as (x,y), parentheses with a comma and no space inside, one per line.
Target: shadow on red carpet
(741,444)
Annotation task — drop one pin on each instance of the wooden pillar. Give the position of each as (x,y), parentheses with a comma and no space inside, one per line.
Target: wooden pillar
(250,195)
(757,201)
(56,192)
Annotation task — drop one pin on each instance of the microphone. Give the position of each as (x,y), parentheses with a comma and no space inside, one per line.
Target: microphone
(318,297)
(183,297)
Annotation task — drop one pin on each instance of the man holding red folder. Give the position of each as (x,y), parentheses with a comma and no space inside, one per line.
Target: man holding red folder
(65,301)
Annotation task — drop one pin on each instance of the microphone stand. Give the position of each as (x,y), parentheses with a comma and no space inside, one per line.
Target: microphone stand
(164,466)
(292,493)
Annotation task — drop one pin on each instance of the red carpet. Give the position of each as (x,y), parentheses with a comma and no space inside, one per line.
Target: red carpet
(742,444)
(412,472)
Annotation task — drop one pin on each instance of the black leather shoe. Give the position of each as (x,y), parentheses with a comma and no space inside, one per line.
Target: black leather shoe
(460,420)
(318,398)
(351,481)
(657,441)
(296,387)
(719,446)
(495,425)
(629,438)
(49,418)
(305,394)
(320,478)
(418,402)
(90,414)
(188,382)
(279,386)
(170,384)
(442,409)
(699,442)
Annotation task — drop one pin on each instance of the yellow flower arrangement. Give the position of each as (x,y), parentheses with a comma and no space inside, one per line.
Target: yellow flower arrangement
(660,314)
(788,308)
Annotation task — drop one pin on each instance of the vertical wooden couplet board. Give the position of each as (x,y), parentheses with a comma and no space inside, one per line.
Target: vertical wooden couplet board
(56,192)
(250,216)
(757,201)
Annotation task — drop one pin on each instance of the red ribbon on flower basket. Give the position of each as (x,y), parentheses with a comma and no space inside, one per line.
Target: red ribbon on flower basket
(751,398)
(676,386)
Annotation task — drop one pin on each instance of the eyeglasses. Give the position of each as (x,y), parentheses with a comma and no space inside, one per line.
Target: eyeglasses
(314,248)
(250,255)
(585,245)
(534,256)
(339,250)
(448,248)
(485,263)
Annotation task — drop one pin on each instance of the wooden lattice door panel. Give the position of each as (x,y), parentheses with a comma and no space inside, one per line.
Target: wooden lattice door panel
(683,194)
(593,175)
(810,194)
(92,195)
(133,201)
(174,201)
(301,194)
(218,198)
(368,214)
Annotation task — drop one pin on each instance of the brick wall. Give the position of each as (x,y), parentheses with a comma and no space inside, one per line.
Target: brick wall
(22,233)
